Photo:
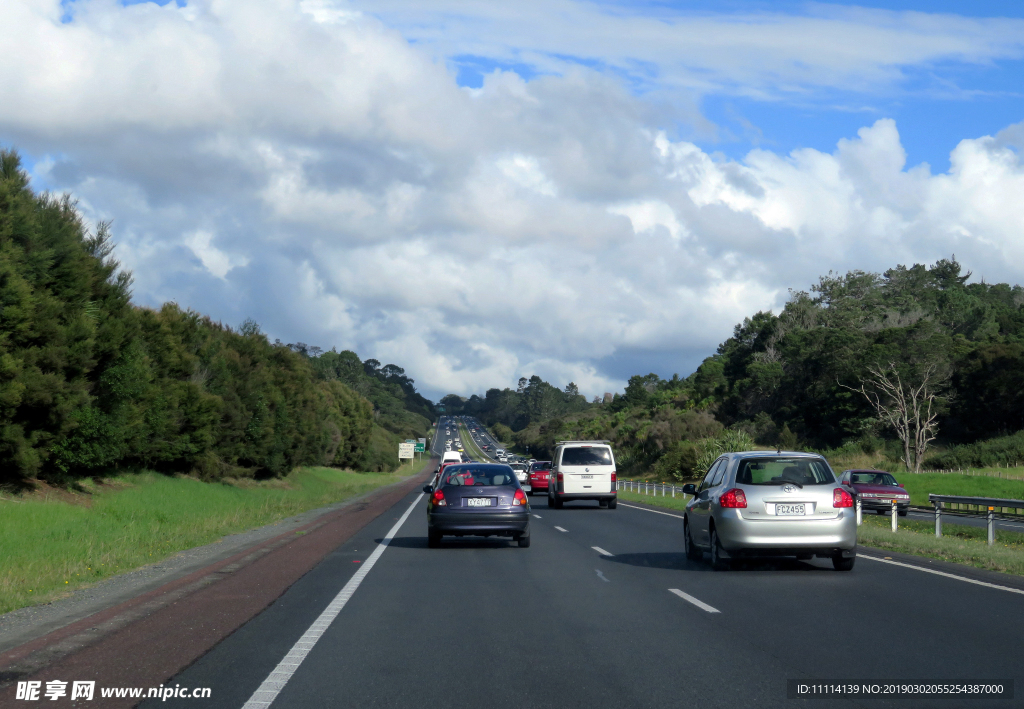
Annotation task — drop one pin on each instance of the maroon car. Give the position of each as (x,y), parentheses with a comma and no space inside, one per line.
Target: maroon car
(540,472)
(876,489)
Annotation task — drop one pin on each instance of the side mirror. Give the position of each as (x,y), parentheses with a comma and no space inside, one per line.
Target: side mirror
(900,484)
(689,489)
(427,489)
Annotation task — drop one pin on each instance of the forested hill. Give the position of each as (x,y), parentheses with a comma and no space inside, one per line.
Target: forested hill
(789,379)
(90,383)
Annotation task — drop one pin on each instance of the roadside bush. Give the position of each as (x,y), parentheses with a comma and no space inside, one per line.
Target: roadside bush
(1004,451)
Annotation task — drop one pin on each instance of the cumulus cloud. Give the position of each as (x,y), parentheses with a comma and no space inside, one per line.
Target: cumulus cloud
(305,164)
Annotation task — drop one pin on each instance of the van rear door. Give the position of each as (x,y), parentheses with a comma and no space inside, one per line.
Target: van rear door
(586,469)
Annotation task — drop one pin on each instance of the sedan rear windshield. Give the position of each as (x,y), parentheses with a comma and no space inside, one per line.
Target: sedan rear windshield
(587,455)
(873,479)
(478,477)
(779,471)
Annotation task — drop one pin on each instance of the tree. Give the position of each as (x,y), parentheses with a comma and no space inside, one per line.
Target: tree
(912,410)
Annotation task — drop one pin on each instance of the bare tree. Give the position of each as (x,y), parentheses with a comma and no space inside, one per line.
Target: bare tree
(911,410)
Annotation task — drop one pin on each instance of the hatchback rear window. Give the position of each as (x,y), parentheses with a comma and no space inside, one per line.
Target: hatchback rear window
(478,477)
(546,465)
(778,471)
(588,455)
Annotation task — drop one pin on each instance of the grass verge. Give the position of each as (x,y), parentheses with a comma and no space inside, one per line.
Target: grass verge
(51,544)
(960,544)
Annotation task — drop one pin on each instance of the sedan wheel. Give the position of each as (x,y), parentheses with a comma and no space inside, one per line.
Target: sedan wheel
(718,562)
(693,552)
(433,539)
(524,541)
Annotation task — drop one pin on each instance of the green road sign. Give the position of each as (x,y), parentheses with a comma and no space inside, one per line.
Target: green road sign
(421,447)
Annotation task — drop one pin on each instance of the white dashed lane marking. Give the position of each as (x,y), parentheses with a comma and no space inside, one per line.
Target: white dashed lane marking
(561,530)
(538,516)
(697,602)
(600,575)
(602,552)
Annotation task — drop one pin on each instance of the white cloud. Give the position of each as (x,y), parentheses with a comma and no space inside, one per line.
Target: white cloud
(302,163)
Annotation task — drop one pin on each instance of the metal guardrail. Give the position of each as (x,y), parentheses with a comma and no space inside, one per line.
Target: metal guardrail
(989,503)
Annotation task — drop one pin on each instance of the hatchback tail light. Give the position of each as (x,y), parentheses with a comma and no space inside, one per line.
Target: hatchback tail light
(438,498)
(733,499)
(519,498)
(841,498)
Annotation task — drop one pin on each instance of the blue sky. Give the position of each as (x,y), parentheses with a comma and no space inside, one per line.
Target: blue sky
(479,191)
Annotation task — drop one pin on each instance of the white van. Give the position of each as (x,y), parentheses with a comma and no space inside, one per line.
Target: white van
(583,470)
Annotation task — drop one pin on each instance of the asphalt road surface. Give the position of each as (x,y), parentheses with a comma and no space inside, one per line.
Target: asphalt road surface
(603,610)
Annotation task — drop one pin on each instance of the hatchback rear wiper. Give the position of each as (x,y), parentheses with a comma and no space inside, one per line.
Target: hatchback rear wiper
(784,481)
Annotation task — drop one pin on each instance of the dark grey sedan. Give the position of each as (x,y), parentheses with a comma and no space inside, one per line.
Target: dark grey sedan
(477,499)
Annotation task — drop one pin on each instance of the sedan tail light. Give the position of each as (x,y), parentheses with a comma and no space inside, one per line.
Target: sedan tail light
(841,498)
(733,499)
(438,498)
(519,498)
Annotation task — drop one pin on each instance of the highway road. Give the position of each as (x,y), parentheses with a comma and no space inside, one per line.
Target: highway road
(603,610)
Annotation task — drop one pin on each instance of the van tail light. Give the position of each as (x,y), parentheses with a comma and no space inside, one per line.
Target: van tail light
(519,499)
(614,481)
(438,498)
(560,479)
(733,499)
(841,498)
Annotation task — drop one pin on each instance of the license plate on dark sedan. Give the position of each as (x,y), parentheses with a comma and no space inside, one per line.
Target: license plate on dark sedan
(789,509)
(482,501)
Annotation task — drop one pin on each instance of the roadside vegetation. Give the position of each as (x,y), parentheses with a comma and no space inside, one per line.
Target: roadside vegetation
(55,540)
(91,384)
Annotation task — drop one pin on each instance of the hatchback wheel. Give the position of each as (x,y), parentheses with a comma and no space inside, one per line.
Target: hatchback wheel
(693,552)
(433,539)
(841,563)
(718,562)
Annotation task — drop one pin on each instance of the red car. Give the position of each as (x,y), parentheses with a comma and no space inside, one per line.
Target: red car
(539,474)
(876,489)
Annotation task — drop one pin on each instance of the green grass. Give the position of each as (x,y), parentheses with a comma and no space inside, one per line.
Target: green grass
(674,503)
(50,545)
(954,484)
(959,543)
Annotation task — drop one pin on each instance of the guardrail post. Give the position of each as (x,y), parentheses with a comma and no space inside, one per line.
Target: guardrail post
(860,514)
(894,515)
(938,519)
(991,526)
(673,491)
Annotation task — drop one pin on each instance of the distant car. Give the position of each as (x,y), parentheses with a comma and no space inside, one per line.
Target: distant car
(540,472)
(767,503)
(876,490)
(449,457)
(477,499)
(522,474)
(583,470)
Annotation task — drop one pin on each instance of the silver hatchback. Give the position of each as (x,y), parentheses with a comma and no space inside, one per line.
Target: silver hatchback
(770,503)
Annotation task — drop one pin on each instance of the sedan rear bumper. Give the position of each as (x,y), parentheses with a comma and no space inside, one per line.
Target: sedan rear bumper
(478,522)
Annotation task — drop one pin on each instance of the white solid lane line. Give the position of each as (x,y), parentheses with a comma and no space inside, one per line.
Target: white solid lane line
(561,530)
(700,604)
(602,552)
(657,512)
(267,692)
(942,573)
